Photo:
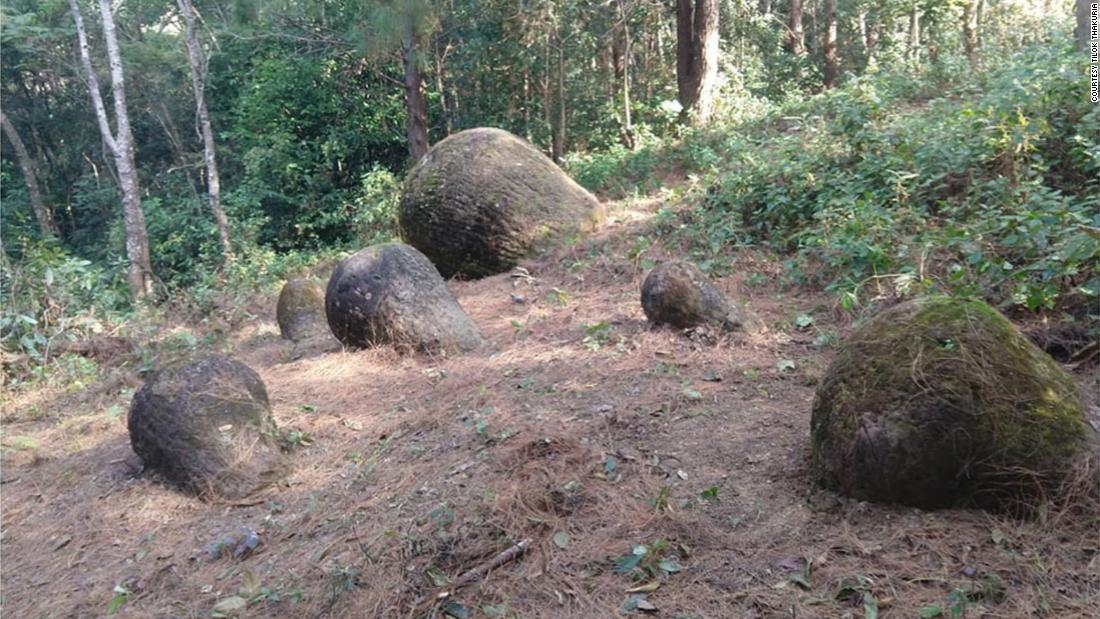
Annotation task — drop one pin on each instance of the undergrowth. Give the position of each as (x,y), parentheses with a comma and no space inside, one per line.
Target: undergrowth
(879,189)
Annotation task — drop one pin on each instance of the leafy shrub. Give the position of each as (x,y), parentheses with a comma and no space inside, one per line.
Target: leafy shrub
(50,296)
(982,192)
(305,141)
(376,206)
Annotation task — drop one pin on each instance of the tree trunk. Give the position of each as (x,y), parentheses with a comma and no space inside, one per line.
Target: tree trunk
(415,103)
(979,15)
(121,145)
(440,76)
(969,27)
(914,34)
(861,21)
(828,46)
(696,58)
(526,103)
(1083,32)
(558,141)
(198,84)
(27,164)
(794,29)
(547,94)
(870,40)
(628,125)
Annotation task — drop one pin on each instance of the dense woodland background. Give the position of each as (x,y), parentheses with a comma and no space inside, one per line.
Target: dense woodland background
(876,148)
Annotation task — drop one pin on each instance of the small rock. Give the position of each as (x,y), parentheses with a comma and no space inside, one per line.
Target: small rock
(679,294)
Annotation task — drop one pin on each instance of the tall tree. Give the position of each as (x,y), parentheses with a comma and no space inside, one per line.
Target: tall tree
(969,30)
(869,27)
(121,145)
(29,168)
(794,29)
(416,105)
(627,132)
(914,33)
(828,45)
(979,19)
(198,85)
(558,142)
(696,57)
(402,26)
(1082,33)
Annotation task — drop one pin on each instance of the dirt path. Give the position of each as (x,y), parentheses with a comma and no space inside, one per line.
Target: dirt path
(585,431)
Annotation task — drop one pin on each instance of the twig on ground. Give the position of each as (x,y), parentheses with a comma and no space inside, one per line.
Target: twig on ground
(477,573)
(482,570)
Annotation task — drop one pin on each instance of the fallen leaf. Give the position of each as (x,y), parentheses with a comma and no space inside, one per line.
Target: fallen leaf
(669,566)
(870,606)
(800,580)
(562,539)
(230,606)
(692,394)
(627,563)
(61,543)
(249,584)
(453,609)
(813,601)
(648,587)
(785,365)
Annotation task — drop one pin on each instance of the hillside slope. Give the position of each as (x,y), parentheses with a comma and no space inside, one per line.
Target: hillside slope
(646,468)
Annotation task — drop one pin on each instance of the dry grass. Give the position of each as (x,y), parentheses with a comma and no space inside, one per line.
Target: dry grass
(421,469)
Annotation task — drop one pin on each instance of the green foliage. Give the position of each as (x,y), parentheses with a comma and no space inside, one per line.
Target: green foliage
(50,296)
(342,579)
(648,561)
(376,206)
(256,270)
(313,150)
(980,192)
(596,335)
(122,595)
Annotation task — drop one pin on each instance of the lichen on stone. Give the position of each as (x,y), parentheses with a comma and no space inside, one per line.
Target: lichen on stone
(941,401)
(390,294)
(482,199)
(206,426)
(677,293)
(300,310)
